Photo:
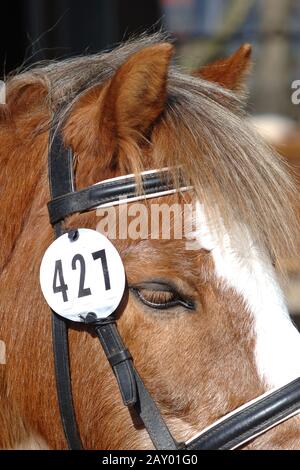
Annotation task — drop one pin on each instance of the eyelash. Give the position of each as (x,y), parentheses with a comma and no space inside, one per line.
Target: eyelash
(176,298)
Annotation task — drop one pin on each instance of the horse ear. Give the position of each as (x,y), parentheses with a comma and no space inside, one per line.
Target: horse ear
(230,72)
(118,113)
(135,96)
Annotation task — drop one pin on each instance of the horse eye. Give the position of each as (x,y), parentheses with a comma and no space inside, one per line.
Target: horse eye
(161,296)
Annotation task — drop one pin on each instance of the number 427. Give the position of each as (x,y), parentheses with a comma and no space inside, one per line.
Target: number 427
(59,284)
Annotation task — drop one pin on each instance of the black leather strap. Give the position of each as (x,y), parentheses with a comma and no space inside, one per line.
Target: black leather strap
(132,388)
(154,423)
(119,358)
(61,181)
(254,419)
(108,192)
(63,381)
(60,167)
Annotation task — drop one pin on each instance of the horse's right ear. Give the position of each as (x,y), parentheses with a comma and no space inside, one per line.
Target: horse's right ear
(119,113)
(230,72)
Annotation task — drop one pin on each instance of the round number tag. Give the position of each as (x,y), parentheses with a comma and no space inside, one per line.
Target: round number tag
(82,274)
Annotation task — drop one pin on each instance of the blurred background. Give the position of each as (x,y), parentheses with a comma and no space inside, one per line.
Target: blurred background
(204,30)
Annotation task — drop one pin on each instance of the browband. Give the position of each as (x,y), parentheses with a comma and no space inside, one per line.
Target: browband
(153,183)
(231,431)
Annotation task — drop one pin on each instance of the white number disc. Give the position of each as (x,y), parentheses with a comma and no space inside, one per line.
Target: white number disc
(82,276)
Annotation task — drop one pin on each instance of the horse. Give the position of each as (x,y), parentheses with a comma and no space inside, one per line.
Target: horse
(207,326)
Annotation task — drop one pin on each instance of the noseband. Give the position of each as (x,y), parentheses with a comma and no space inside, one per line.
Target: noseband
(231,431)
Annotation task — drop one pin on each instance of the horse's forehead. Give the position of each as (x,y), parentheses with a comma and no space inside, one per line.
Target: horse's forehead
(159,234)
(165,258)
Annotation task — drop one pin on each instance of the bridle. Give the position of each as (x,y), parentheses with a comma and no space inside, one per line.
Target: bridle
(231,431)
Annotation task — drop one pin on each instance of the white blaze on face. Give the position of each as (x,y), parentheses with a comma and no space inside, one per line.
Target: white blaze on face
(249,271)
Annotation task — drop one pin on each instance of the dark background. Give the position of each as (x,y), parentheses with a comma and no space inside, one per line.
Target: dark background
(32,30)
(205,30)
